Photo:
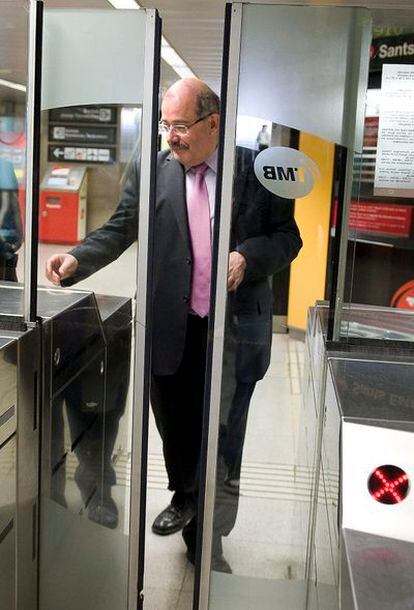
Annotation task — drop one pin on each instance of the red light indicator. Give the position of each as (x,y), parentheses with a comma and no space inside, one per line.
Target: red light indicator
(389,484)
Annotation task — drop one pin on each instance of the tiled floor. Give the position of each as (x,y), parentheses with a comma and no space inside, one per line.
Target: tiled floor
(268,540)
(266,547)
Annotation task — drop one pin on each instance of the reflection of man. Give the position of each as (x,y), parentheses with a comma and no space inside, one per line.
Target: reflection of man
(264,239)
(95,402)
(263,138)
(10,221)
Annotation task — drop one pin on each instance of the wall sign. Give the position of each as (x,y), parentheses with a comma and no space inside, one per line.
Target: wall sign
(83,134)
(87,134)
(286,172)
(390,220)
(394,169)
(84,114)
(391,49)
(81,154)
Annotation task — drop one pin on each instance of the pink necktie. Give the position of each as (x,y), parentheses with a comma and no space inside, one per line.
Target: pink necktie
(199,224)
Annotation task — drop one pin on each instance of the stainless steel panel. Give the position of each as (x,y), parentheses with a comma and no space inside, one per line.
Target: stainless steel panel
(361,388)
(375,391)
(318,355)
(324,546)
(7,524)
(331,463)
(8,389)
(76,338)
(29,378)
(308,450)
(80,419)
(76,329)
(8,484)
(51,301)
(377,322)
(380,572)
(77,431)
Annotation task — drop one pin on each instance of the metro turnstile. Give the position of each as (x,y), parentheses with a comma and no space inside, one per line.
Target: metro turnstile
(78,336)
(8,406)
(360,551)
(19,376)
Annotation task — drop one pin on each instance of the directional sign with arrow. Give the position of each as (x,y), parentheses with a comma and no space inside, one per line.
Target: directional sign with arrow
(81,154)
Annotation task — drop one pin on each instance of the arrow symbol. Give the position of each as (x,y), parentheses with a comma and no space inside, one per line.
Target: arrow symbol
(58,153)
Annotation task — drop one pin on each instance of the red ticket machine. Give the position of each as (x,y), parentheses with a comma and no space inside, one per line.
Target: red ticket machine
(62,214)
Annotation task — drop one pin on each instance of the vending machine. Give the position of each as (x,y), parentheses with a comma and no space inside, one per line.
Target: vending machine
(63,196)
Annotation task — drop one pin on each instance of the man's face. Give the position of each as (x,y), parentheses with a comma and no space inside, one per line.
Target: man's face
(201,139)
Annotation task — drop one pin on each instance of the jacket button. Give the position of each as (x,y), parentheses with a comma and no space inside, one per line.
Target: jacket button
(186,299)
(188,260)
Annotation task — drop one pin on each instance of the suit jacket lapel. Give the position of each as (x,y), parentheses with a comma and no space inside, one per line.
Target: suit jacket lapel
(174,190)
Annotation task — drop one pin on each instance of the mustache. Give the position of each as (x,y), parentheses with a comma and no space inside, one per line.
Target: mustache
(179,146)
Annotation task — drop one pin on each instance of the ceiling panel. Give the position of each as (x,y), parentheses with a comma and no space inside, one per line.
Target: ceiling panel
(193,27)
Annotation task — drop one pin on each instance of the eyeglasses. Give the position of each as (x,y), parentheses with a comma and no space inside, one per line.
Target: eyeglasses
(180,129)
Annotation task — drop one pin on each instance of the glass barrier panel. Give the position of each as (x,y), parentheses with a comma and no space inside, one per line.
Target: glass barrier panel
(300,83)
(379,297)
(13,53)
(300,66)
(14,19)
(92,96)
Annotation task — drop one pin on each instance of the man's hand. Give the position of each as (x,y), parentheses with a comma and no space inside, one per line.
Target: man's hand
(237,267)
(60,266)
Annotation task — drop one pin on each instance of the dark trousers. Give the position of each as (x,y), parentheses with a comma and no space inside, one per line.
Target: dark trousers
(94,406)
(177,403)
(8,269)
(233,431)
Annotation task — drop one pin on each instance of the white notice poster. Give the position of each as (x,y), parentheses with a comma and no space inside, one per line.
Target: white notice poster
(394,169)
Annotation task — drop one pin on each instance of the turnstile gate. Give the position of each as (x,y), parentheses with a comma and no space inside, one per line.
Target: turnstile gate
(65,361)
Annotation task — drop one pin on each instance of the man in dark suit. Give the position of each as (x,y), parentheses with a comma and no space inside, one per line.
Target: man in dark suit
(264,239)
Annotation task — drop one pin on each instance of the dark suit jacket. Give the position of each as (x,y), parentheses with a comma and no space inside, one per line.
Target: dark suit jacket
(263,230)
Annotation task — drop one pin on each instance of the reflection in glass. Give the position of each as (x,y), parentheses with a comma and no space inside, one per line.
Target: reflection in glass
(11,233)
(88,479)
(12,138)
(85,427)
(266,483)
(265,233)
(379,263)
(7,523)
(89,150)
(264,475)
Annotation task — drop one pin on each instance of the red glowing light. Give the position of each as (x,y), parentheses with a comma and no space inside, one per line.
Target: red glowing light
(389,484)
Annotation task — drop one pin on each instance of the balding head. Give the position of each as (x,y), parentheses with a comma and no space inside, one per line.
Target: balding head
(192,103)
(205,100)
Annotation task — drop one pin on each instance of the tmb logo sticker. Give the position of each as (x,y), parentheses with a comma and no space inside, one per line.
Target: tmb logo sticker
(286,172)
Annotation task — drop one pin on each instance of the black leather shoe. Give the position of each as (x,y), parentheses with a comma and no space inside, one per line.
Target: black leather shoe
(105,513)
(172,519)
(218,564)
(232,486)
(190,554)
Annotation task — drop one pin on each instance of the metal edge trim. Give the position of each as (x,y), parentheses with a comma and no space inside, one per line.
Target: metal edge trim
(34,77)
(220,300)
(316,465)
(142,340)
(351,114)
